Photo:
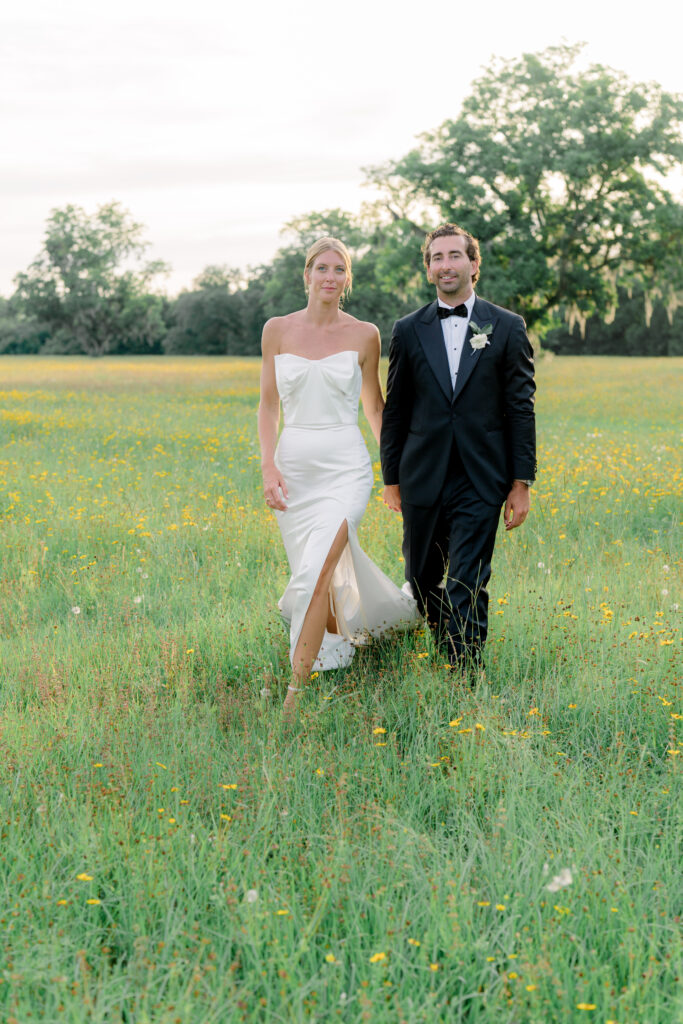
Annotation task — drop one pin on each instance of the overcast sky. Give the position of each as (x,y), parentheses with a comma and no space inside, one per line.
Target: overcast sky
(214,123)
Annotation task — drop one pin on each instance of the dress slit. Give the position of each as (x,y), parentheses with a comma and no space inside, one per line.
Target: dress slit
(294,640)
(336,649)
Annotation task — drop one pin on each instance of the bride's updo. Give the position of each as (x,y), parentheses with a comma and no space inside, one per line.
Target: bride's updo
(322,245)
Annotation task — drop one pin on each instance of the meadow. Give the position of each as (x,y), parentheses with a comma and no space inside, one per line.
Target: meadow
(172,852)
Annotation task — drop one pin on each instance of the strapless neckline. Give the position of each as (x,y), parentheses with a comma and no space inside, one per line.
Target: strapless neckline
(306,359)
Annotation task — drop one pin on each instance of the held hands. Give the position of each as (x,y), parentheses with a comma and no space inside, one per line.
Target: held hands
(274,488)
(392,497)
(517,505)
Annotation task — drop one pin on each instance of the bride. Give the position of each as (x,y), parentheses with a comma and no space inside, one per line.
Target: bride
(318,478)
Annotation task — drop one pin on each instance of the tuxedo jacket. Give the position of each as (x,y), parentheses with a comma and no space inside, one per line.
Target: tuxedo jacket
(489,415)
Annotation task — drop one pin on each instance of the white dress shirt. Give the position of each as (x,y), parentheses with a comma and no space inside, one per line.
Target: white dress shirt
(454,332)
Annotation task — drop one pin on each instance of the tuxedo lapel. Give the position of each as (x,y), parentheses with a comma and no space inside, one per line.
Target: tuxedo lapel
(431,338)
(482,315)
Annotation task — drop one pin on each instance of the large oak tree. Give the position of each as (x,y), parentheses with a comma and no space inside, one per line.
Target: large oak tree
(561,173)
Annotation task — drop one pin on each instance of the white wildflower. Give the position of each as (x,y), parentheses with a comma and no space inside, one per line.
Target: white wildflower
(560,881)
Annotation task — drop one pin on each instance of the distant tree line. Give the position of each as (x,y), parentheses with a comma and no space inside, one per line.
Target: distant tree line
(561,175)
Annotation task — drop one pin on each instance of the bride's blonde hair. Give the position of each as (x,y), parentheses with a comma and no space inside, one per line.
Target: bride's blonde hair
(322,245)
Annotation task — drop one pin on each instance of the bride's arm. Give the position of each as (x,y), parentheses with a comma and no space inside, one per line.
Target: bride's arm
(269,420)
(371,390)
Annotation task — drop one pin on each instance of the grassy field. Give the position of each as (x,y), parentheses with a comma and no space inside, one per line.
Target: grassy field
(169,852)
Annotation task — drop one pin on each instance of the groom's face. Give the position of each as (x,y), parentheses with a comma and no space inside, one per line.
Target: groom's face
(450,268)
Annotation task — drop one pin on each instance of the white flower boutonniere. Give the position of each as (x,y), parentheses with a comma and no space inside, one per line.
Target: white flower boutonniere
(480,337)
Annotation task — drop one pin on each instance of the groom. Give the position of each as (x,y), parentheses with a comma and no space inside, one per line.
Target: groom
(458,440)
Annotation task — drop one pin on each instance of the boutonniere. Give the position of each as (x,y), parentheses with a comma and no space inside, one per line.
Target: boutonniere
(480,337)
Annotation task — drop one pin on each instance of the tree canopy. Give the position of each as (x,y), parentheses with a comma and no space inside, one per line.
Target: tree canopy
(89,284)
(560,174)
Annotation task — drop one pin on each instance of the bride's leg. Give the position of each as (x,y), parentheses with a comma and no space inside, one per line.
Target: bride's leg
(313,629)
(332,624)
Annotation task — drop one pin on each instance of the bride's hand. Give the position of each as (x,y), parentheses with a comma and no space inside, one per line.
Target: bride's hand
(274,489)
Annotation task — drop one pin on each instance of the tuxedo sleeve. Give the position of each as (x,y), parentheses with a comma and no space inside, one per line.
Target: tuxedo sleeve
(520,422)
(397,411)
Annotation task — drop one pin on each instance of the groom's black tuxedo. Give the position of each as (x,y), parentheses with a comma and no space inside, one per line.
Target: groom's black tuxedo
(455,453)
(489,416)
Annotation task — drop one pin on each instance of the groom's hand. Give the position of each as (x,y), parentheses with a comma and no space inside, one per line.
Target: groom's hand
(392,497)
(517,505)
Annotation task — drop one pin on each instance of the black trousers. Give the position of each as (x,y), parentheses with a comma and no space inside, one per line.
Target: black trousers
(455,537)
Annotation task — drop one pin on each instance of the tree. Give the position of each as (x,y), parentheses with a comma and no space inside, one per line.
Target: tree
(628,334)
(20,335)
(210,321)
(560,173)
(90,286)
(214,318)
(219,275)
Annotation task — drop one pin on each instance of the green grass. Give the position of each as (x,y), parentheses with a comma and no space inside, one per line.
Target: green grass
(400,875)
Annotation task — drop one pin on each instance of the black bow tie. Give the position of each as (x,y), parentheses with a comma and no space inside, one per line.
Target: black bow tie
(445,311)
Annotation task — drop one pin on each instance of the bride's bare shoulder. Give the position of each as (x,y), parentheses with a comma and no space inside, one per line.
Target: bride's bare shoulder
(365,335)
(277,328)
(363,328)
(278,324)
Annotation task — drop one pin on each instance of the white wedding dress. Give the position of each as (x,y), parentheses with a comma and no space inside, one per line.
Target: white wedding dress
(326,467)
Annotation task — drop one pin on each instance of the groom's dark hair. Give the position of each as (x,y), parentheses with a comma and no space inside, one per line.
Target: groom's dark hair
(471,245)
